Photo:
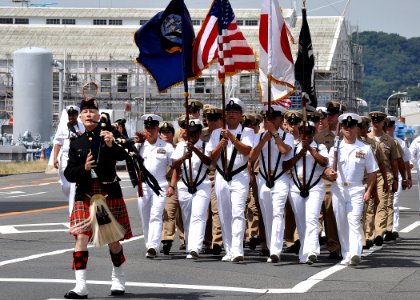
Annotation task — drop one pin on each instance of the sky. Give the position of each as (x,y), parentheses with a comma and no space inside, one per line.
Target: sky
(401,17)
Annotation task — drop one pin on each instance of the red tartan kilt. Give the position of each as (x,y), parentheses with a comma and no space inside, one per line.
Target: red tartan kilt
(116,205)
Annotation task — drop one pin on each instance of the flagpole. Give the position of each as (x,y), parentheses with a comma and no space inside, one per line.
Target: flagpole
(269,77)
(222,76)
(304,113)
(187,115)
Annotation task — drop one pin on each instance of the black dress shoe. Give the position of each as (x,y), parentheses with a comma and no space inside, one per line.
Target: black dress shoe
(334,255)
(253,243)
(379,240)
(295,248)
(117,293)
(369,244)
(74,295)
(265,252)
(395,234)
(217,249)
(167,245)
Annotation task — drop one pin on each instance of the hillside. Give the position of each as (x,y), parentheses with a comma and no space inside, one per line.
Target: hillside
(391,63)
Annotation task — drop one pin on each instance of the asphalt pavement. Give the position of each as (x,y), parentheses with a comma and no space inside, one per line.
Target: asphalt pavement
(36,256)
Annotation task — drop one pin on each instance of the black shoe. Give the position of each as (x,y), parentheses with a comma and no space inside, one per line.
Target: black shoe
(182,247)
(166,248)
(117,293)
(322,240)
(217,249)
(74,295)
(369,244)
(253,242)
(295,248)
(395,234)
(389,237)
(265,252)
(334,255)
(379,240)
(206,251)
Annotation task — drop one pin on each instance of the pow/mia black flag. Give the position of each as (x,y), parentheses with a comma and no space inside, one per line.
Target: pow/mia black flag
(304,65)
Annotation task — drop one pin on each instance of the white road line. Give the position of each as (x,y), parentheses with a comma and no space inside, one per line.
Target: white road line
(57,252)
(410,227)
(404,208)
(26,195)
(12,192)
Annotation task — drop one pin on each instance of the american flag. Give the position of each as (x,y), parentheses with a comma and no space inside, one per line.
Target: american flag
(220,38)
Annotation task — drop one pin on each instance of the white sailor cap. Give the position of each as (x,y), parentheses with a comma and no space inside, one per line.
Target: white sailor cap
(323,110)
(349,118)
(72,109)
(392,118)
(235,103)
(195,125)
(275,108)
(151,119)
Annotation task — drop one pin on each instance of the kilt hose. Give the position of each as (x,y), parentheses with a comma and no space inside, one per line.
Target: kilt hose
(81,212)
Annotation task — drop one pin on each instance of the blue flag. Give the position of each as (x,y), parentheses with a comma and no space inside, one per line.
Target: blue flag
(165,43)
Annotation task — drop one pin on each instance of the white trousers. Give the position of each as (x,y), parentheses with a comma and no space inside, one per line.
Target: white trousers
(396,206)
(418,183)
(272,202)
(231,198)
(194,214)
(151,212)
(348,209)
(307,212)
(68,188)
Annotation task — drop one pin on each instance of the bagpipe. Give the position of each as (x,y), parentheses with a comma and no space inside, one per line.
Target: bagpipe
(134,162)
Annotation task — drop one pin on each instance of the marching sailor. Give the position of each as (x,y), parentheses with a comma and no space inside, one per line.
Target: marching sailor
(306,197)
(273,190)
(193,192)
(157,157)
(230,148)
(353,158)
(73,129)
(91,165)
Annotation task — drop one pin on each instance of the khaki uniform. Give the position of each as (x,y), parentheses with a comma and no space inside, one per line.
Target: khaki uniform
(368,221)
(384,210)
(327,219)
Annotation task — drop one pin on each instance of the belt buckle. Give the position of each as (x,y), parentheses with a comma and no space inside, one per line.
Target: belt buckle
(345,183)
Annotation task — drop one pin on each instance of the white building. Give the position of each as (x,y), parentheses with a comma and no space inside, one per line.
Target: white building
(96,44)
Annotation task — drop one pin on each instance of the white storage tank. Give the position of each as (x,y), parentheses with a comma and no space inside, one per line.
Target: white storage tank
(32,93)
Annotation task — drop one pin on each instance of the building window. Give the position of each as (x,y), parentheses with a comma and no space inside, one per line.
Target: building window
(72,79)
(251,22)
(245,84)
(6,21)
(53,21)
(69,22)
(99,22)
(21,21)
(115,22)
(240,22)
(106,82)
(122,83)
(203,85)
(142,22)
(196,22)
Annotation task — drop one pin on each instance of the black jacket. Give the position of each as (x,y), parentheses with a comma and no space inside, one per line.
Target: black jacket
(105,169)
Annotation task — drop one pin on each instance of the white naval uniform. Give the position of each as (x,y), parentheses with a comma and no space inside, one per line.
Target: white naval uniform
(231,195)
(397,194)
(347,194)
(415,159)
(307,210)
(272,200)
(62,138)
(157,158)
(193,206)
